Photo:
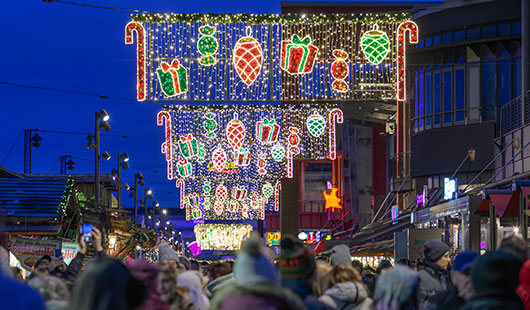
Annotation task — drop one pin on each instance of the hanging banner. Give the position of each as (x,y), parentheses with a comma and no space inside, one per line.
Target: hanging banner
(28,251)
(69,251)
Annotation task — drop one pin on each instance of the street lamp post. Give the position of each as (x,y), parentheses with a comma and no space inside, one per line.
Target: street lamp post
(123,162)
(66,163)
(30,140)
(155,205)
(162,219)
(138,181)
(148,193)
(101,121)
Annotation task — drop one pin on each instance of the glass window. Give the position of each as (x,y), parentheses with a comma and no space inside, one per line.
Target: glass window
(503,30)
(488,91)
(416,99)
(448,96)
(437,85)
(504,81)
(473,33)
(460,35)
(516,28)
(428,42)
(422,98)
(448,37)
(489,31)
(428,98)
(421,44)
(437,40)
(460,93)
(473,92)
(516,72)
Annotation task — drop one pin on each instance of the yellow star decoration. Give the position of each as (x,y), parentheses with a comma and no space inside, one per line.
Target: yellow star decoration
(332,200)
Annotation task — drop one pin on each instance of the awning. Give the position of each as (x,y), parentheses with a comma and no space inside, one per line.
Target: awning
(506,202)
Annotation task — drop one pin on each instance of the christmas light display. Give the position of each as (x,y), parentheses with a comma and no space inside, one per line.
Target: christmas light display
(173,78)
(335,116)
(188,146)
(140,56)
(210,124)
(221,236)
(248,58)
(298,55)
(292,149)
(412,29)
(316,124)
(267,190)
(167,146)
(235,133)
(219,159)
(207,45)
(332,200)
(277,190)
(375,45)
(340,70)
(181,185)
(267,131)
(278,152)
(277,57)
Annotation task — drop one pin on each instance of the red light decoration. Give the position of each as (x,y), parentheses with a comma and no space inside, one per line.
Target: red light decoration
(335,116)
(340,70)
(412,28)
(167,147)
(298,56)
(332,200)
(248,58)
(140,55)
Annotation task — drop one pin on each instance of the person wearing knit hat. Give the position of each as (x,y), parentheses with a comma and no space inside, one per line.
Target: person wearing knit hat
(255,284)
(456,297)
(340,254)
(297,266)
(434,278)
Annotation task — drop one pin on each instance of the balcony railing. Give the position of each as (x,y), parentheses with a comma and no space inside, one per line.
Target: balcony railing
(511,114)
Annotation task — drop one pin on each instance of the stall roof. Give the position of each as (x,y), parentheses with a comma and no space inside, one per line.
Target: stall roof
(32,197)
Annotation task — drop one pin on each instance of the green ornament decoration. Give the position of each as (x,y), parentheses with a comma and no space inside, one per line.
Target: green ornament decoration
(206,203)
(206,188)
(375,45)
(202,153)
(196,213)
(207,45)
(316,124)
(210,124)
(267,190)
(278,152)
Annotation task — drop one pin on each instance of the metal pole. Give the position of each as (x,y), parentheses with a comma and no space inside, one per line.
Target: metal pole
(63,164)
(493,228)
(135,200)
(27,150)
(97,189)
(119,180)
(145,208)
(154,214)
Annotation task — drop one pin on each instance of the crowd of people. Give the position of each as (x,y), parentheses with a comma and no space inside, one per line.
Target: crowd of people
(257,280)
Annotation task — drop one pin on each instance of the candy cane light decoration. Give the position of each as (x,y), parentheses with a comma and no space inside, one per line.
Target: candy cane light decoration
(167,147)
(335,116)
(277,188)
(402,29)
(181,185)
(293,149)
(140,55)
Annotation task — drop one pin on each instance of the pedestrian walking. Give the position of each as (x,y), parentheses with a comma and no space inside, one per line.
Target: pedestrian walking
(434,278)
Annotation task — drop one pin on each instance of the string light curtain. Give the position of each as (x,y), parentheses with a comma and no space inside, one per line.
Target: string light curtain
(246,57)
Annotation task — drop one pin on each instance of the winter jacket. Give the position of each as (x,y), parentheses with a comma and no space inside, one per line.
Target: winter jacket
(304,290)
(448,300)
(347,296)
(17,296)
(433,280)
(262,296)
(227,279)
(523,290)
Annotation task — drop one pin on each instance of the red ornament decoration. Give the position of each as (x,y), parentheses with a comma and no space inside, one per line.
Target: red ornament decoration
(277,190)
(221,193)
(233,206)
(261,164)
(243,157)
(267,131)
(335,116)
(239,192)
(235,133)
(218,208)
(340,70)
(248,58)
(140,55)
(167,147)
(298,56)
(412,28)
(219,159)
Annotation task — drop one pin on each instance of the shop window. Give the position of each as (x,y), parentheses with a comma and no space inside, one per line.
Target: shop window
(437,40)
(448,96)
(437,85)
(489,31)
(473,34)
(460,35)
(460,94)
(422,42)
(448,37)
(488,90)
(428,98)
(473,93)
(503,30)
